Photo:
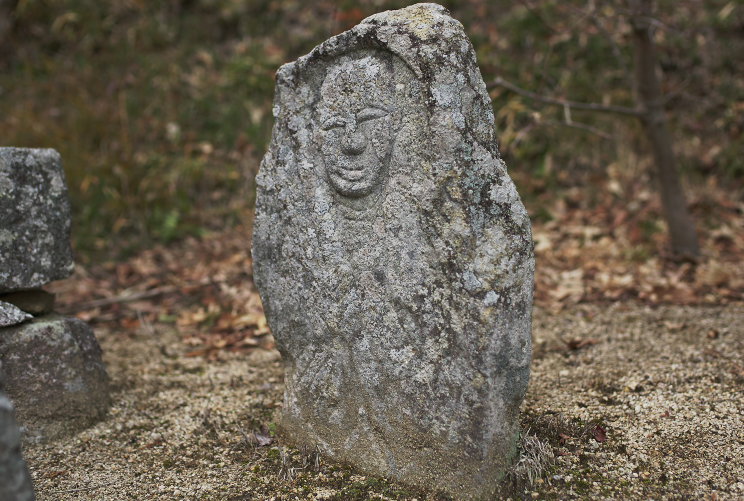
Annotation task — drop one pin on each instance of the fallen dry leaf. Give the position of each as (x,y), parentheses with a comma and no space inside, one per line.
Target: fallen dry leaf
(578,343)
(599,434)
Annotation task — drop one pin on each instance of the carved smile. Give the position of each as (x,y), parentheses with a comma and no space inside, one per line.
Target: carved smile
(350,173)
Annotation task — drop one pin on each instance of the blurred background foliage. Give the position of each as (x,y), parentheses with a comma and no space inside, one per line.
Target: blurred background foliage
(162,109)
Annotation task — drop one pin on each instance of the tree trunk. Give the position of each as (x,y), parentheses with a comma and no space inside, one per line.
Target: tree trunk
(682,232)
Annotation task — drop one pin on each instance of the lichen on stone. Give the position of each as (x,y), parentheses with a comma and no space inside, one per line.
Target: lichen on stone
(394,256)
(34,219)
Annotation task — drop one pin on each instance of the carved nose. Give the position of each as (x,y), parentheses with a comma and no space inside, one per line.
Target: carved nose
(353,142)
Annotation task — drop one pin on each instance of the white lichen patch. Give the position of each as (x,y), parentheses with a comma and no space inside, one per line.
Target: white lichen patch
(420,19)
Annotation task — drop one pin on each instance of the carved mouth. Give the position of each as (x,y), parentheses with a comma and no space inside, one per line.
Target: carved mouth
(351,174)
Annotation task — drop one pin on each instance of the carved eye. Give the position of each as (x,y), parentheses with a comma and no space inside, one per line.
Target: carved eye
(370,114)
(333,123)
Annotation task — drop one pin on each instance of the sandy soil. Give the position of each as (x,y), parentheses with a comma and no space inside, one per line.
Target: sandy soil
(625,402)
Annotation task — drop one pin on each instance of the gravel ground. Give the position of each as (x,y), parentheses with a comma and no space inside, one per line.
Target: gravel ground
(625,402)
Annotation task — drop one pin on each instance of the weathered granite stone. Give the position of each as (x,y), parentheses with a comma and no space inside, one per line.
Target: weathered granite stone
(10,314)
(34,219)
(15,482)
(34,301)
(54,374)
(394,256)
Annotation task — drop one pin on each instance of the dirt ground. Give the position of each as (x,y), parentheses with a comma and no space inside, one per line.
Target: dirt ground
(625,402)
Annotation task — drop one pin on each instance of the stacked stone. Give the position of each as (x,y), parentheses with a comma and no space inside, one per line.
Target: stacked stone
(51,366)
(15,482)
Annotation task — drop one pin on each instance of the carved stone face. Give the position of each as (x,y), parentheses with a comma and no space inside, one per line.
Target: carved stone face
(355,118)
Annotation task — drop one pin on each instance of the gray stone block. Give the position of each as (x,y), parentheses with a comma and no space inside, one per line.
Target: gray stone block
(394,256)
(15,482)
(54,374)
(34,219)
(10,314)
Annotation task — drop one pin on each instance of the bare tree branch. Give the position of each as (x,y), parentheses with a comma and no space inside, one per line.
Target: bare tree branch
(131,297)
(535,12)
(597,21)
(620,110)
(582,126)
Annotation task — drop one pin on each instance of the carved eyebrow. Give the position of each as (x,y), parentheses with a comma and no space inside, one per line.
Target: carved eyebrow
(333,122)
(371,113)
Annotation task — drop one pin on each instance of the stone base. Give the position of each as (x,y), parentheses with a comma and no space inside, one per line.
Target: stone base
(15,482)
(54,374)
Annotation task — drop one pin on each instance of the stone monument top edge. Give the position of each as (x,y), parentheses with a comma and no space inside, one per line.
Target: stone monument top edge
(398,31)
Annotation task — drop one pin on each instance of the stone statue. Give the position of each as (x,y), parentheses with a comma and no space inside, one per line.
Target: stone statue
(394,257)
